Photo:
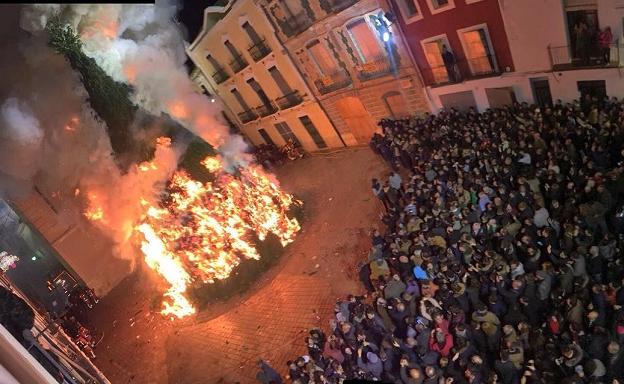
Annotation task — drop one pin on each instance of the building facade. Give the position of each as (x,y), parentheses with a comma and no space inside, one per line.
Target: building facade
(489,53)
(353,57)
(244,66)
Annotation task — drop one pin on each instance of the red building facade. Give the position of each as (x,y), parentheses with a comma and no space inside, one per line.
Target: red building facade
(455,40)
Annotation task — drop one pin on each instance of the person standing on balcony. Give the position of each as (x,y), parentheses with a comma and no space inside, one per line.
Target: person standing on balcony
(604,39)
(449,63)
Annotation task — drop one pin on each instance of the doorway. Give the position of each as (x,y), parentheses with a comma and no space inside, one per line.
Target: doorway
(541,92)
(593,88)
(500,97)
(357,119)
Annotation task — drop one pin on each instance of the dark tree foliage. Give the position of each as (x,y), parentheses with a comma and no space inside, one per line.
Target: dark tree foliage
(109,99)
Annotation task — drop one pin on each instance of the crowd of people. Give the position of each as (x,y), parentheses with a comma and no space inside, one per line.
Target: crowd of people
(499,260)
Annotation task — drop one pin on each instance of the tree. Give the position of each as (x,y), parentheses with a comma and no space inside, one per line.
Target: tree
(111,101)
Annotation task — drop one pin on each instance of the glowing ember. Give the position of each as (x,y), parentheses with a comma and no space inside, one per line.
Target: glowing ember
(94,211)
(203,231)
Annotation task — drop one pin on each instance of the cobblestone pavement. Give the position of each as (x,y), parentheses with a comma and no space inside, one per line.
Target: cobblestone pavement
(270,321)
(271,324)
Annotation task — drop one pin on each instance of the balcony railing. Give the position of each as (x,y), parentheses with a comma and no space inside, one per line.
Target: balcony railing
(289,100)
(339,5)
(247,116)
(266,109)
(259,50)
(472,68)
(566,57)
(333,82)
(297,24)
(375,68)
(238,63)
(220,76)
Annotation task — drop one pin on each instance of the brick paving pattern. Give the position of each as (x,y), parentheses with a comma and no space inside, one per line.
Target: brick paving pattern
(272,324)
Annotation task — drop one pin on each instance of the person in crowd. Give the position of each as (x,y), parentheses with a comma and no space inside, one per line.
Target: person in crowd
(500,257)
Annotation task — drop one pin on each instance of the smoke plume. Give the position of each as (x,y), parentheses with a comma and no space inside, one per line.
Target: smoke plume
(64,149)
(142,46)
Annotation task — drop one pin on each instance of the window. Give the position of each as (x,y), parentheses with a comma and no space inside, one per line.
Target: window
(240,99)
(266,137)
(286,133)
(478,50)
(314,133)
(437,6)
(436,49)
(322,58)
(410,10)
(396,104)
(251,32)
(280,81)
(259,91)
(365,41)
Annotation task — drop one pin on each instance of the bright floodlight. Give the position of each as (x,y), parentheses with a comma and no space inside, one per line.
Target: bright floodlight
(385,37)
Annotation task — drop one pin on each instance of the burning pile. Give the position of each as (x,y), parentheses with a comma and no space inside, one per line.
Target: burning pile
(201,231)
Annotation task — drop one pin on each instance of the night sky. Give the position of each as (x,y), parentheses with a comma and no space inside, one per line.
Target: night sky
(192,16)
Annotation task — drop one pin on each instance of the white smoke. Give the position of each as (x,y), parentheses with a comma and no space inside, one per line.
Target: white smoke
(20,140)
(142,46)
(136,44)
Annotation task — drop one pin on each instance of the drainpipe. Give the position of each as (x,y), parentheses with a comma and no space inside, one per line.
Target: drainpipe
(292,60)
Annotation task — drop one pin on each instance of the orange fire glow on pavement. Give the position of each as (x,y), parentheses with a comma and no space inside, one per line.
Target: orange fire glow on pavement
(201,231)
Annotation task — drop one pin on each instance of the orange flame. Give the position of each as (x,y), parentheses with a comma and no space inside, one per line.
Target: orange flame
(203,231)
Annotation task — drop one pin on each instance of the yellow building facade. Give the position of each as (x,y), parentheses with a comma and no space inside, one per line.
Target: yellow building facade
(241,63)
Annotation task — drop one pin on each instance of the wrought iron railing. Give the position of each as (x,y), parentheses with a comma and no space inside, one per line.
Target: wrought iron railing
(333,82)
(238,63)
(290,100)
(220,75)
(566,57)
(259,50)
(375,68)
(297,24)
(459,71)
(340,5)
(266,109)
(247,116)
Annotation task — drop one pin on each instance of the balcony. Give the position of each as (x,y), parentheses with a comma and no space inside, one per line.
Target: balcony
(290,100)
(266,109)
(563,58)
(220,76)
(296,24)
(462,70)
(259,50)
(333,82)
(375,68)
(238,63)
(340,5)
(247,116)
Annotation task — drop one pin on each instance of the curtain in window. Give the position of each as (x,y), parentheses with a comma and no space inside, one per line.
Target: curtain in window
(477,52)
(323,59)
(366,42)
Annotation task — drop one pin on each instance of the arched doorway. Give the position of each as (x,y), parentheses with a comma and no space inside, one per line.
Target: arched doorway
(358,120)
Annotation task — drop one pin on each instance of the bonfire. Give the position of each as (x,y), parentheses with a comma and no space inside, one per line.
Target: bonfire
(200,232)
